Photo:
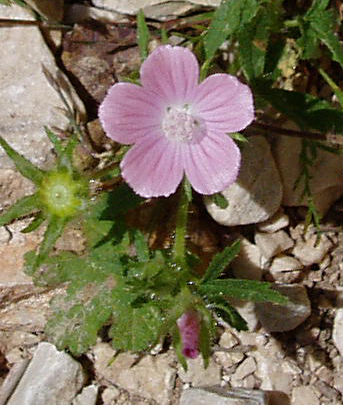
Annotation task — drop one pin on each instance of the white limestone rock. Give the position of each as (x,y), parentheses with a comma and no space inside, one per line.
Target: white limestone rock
(285,263)
(151,378)
(52,377)
(326,189)
(219,396)
(282,318)
(256,194)
(87,396)
(308,248)
(337,332)
(27,100)
(275,223)
(304,395)
(133,6)
(249,263)
(271,244)
(197,375)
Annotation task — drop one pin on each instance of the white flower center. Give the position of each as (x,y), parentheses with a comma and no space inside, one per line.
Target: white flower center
(179,124)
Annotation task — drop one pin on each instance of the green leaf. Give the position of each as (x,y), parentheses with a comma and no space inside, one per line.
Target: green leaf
(25,167)
(254,39)
(142,35)
(220,200)
(228,313)
(53,231)
(136,329)
(323,23)
(306,110)
(333,85)
(141,245)
(55,141)
(221,261)
(246,290)
(105,216)
(228,19)
(206,334)
(35,224)
(24,206)
(75,324)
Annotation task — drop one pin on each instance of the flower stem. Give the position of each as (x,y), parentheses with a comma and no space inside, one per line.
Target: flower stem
(179,248)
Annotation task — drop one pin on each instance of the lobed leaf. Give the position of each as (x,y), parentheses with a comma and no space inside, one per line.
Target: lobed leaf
(136,329)
(228,313)
(228,19)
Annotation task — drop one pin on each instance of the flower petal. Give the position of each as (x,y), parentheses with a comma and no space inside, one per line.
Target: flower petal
(129,112)
(153,167)
(172,72)
(212,165)
(224,103)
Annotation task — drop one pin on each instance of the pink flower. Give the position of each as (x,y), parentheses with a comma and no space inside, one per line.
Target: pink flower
(177,126)
(189,328)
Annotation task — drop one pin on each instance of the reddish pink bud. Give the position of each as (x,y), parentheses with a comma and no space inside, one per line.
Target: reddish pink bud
(189,327)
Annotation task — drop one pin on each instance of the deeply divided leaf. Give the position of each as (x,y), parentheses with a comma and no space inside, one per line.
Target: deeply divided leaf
(221,261)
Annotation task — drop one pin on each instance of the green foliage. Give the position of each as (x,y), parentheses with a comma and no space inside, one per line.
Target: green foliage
(306,110)
(220,262)
(247,290)
(24,166)
(142,35)
(219,200)
(25,206)
(334,86)
(318,25)
(228,313)
(228,19)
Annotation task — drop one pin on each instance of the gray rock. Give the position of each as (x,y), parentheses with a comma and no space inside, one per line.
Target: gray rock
(337,332)
(219,396)
(87,396)
(152,377)
(199,376)
(245,369)
(283,263)
(275,223)
(308,248)
(133,6)
(27,100)
(52,377)
(271,244)
(304,395)
(249,262)
(282,318)
(256,194)
(326,189)
(12,379)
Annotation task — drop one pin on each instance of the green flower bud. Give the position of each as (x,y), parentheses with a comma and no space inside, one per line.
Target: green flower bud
(62,195)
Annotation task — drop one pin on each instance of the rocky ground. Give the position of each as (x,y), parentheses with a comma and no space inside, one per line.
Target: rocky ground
(291,355)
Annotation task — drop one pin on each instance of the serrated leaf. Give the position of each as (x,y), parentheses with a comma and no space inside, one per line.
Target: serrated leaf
(306,110)
(24,206)
(228,313)
(142,35)
(253,40)
(246,290)
(221,261)
(136,329)
(228,19)
(24,166)
(322,23)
